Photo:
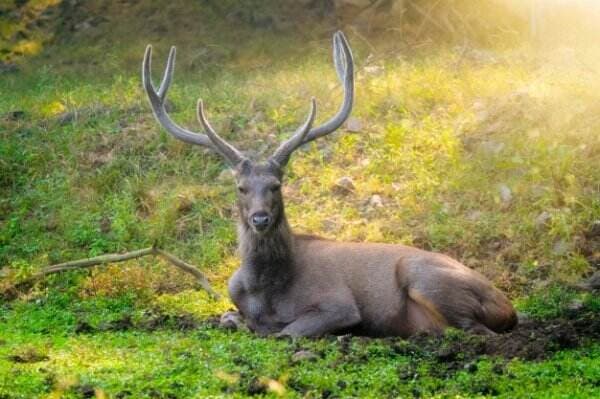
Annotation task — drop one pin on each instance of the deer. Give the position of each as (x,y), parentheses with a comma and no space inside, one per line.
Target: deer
(296,285)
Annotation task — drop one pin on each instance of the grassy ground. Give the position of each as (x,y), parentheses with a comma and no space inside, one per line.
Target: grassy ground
(489,155)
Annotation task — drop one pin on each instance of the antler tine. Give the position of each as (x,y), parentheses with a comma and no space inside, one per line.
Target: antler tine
(339,59)
(157,102)
(229,152)
(168,76)
(344,66)
(282,154)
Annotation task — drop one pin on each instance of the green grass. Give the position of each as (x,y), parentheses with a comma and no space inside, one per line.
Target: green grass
(206,361)
(88,171)
(198,364)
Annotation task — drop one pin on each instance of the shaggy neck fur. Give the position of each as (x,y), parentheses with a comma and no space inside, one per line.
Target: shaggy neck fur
(268,256)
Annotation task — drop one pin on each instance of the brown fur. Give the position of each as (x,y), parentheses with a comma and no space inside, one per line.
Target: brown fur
(303,285)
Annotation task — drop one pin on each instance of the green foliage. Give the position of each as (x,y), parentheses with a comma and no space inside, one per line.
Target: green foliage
(55,355)
(555,301)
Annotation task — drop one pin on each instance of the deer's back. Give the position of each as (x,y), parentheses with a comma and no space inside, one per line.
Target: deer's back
(356,260)
(383,276)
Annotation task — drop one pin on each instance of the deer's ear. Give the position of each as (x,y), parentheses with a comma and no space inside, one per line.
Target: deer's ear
(242,168)
(275,168)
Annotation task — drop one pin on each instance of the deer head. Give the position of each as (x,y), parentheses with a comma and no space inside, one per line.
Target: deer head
(259,183)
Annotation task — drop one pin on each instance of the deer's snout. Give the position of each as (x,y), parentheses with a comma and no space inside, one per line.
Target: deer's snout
(260,220)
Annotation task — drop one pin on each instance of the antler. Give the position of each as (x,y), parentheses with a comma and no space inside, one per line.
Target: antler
(157,102)
(344,66)
(282,154)
(230,152)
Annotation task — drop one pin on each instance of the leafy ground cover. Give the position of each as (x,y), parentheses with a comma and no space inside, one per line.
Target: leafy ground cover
(66,347)
(489,155)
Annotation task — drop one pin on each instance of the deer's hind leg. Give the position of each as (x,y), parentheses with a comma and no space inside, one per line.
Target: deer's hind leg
(422,315)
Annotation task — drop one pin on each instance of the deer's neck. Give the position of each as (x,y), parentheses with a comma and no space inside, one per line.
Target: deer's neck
(269,256)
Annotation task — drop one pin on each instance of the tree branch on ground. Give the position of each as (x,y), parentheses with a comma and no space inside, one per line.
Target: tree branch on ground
(113,258)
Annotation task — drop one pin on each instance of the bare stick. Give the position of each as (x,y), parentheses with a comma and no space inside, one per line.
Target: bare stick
(98,260)
(113,258)
(186,267)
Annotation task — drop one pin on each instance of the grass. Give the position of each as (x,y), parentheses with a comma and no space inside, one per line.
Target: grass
(445,135)
(55,358)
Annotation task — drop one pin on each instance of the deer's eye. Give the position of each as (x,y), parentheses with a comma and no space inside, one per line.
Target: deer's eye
(275,187)
(242,190)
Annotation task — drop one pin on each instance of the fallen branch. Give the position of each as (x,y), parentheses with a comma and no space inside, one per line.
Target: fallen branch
(113,258)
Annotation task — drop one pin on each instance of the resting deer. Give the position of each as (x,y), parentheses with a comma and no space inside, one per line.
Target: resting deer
(299,285)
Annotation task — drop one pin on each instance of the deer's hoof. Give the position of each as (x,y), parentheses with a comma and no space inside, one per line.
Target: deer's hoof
(232,321)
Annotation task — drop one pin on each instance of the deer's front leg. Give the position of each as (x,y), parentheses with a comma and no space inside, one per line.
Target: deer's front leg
(232,321)
(325,318)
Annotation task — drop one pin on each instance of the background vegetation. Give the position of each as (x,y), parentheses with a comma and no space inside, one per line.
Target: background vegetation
(468,137)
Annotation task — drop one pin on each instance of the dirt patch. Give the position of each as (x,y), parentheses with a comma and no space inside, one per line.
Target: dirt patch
(29,355)
(180,322)
(84,391)
(152,322)
(123,324)
(531,340)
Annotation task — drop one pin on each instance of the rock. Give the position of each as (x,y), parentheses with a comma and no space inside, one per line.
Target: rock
(354,125)
(376,201)
(304,355)
(344,185)
(505,193)
(542,219)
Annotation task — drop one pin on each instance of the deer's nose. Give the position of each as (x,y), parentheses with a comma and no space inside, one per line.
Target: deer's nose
(260,220)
